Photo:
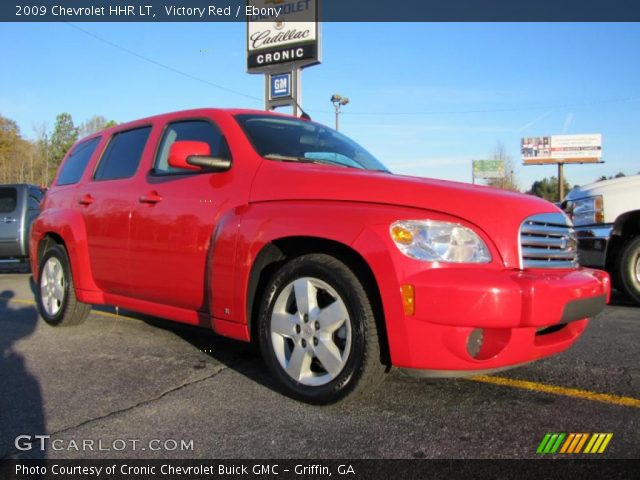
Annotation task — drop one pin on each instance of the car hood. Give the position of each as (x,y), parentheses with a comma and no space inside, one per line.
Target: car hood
(499,213)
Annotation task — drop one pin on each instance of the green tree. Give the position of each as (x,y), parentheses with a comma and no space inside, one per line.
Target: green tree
(63,137)
(547,188)
(610,177)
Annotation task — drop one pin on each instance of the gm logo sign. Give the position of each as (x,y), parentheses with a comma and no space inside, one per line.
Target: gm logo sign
(280,86)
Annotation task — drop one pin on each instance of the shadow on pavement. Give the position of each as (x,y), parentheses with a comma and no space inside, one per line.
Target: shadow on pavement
(21,405)
(241,357)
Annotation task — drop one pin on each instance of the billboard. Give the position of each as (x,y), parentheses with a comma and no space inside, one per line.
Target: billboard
(562,149)
(282,34)
(488,169)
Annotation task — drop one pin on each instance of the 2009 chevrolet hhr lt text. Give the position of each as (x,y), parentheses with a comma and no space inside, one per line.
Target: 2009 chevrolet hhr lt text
(276,229)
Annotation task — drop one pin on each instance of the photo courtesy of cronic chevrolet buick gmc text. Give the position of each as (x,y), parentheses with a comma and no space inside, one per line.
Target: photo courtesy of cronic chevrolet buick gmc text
(274,229)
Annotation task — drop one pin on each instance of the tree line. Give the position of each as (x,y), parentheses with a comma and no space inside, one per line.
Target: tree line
(35,161)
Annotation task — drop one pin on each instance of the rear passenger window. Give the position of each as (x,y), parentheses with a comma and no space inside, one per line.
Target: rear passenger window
(122,156)
(193,130)
(76,162)
(8,200)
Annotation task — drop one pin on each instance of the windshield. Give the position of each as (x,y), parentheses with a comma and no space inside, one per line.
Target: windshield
(291,139)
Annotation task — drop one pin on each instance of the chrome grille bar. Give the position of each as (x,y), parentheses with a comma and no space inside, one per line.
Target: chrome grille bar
(548,241)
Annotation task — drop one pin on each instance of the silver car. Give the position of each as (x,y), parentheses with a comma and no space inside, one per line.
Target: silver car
(19,206)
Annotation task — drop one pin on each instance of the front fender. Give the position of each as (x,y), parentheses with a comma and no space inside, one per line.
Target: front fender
(356,225)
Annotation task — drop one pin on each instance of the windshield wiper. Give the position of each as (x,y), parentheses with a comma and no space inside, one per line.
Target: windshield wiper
(317,161)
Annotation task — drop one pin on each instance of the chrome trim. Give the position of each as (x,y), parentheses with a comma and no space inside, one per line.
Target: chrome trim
(596,233)
(546,241)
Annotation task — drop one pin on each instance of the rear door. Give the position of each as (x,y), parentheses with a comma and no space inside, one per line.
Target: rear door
(10,221)
(106,203)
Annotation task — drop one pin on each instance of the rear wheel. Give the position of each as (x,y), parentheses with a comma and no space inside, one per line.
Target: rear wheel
(628,269)
(318,332)
(55,294)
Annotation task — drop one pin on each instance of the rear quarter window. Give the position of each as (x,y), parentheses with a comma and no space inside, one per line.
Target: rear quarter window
(123,154)
(77,161)
(8,199)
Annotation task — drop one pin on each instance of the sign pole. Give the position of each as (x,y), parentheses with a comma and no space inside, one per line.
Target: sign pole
(561,181)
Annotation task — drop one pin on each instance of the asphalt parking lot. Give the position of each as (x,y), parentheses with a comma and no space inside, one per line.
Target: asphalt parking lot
(166,391)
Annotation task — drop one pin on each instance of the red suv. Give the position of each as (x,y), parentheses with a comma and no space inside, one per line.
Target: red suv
(272,228)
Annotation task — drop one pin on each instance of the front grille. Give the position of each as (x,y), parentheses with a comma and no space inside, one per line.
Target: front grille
(548,240)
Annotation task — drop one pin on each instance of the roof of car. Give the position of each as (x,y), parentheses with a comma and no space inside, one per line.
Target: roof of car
(190,112)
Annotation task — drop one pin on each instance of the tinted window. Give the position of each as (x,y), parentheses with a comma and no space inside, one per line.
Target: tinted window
(76,162)
(8,200)
(292,139)
(122,156)
(194,130)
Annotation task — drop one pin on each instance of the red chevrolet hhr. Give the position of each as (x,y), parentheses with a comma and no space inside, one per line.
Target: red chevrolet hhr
(276,229)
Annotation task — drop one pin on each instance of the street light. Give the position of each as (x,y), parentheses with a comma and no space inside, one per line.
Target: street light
(338,101)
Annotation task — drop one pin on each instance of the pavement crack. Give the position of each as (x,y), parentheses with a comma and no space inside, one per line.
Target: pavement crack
(10,455)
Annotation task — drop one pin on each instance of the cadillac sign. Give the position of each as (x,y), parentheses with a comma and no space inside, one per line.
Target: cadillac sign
(282,34)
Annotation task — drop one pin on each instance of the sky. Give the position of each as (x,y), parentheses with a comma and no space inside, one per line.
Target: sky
(425,98)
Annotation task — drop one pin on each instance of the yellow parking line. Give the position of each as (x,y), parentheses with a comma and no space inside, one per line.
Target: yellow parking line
(567,392)
(502,381)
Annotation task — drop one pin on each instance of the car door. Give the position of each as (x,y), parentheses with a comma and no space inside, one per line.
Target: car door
(174,219)
(9,221)
(106,203)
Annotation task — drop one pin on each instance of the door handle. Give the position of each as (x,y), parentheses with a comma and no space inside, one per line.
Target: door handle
(8,220)
(152,198)
(86,200)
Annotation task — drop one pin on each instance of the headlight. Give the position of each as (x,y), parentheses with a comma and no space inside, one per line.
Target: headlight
(587,211)
(435,241)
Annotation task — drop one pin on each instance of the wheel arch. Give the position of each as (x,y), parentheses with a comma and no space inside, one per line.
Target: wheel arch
(66,228)
(625,227)
(279,251)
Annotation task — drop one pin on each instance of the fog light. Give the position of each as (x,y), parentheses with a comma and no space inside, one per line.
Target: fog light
(408,299)
(474,342)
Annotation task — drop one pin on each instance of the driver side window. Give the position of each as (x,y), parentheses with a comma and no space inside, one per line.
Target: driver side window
(194,130)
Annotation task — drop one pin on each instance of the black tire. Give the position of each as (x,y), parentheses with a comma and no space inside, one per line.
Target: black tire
(361,368)
(66,311)
(628,269)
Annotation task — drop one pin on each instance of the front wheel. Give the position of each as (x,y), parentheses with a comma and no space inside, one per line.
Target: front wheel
(318,332)
(55,294)
(628,269)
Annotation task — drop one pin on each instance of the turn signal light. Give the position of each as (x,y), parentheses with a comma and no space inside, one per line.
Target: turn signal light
(408,299)
(401,235)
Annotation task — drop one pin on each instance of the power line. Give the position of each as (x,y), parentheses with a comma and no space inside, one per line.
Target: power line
(352,112)
(162,65)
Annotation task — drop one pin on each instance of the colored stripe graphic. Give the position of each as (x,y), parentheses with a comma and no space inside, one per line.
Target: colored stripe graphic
(572,443)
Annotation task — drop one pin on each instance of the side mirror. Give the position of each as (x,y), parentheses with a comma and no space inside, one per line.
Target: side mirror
(192,155)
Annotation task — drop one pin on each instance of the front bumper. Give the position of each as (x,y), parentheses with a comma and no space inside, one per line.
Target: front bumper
(481,320)
(592,244)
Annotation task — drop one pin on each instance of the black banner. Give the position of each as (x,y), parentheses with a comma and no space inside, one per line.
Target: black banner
(288,55)
(331,10)
(317,469)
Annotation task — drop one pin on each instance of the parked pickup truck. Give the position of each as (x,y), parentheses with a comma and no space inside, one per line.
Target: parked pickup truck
(606,215)
(19,206)
(279,230)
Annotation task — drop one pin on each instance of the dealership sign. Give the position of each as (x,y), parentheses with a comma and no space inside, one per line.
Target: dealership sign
(282,34)
(562,149)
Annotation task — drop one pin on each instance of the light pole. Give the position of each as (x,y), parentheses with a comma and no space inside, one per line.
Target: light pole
(338,101)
